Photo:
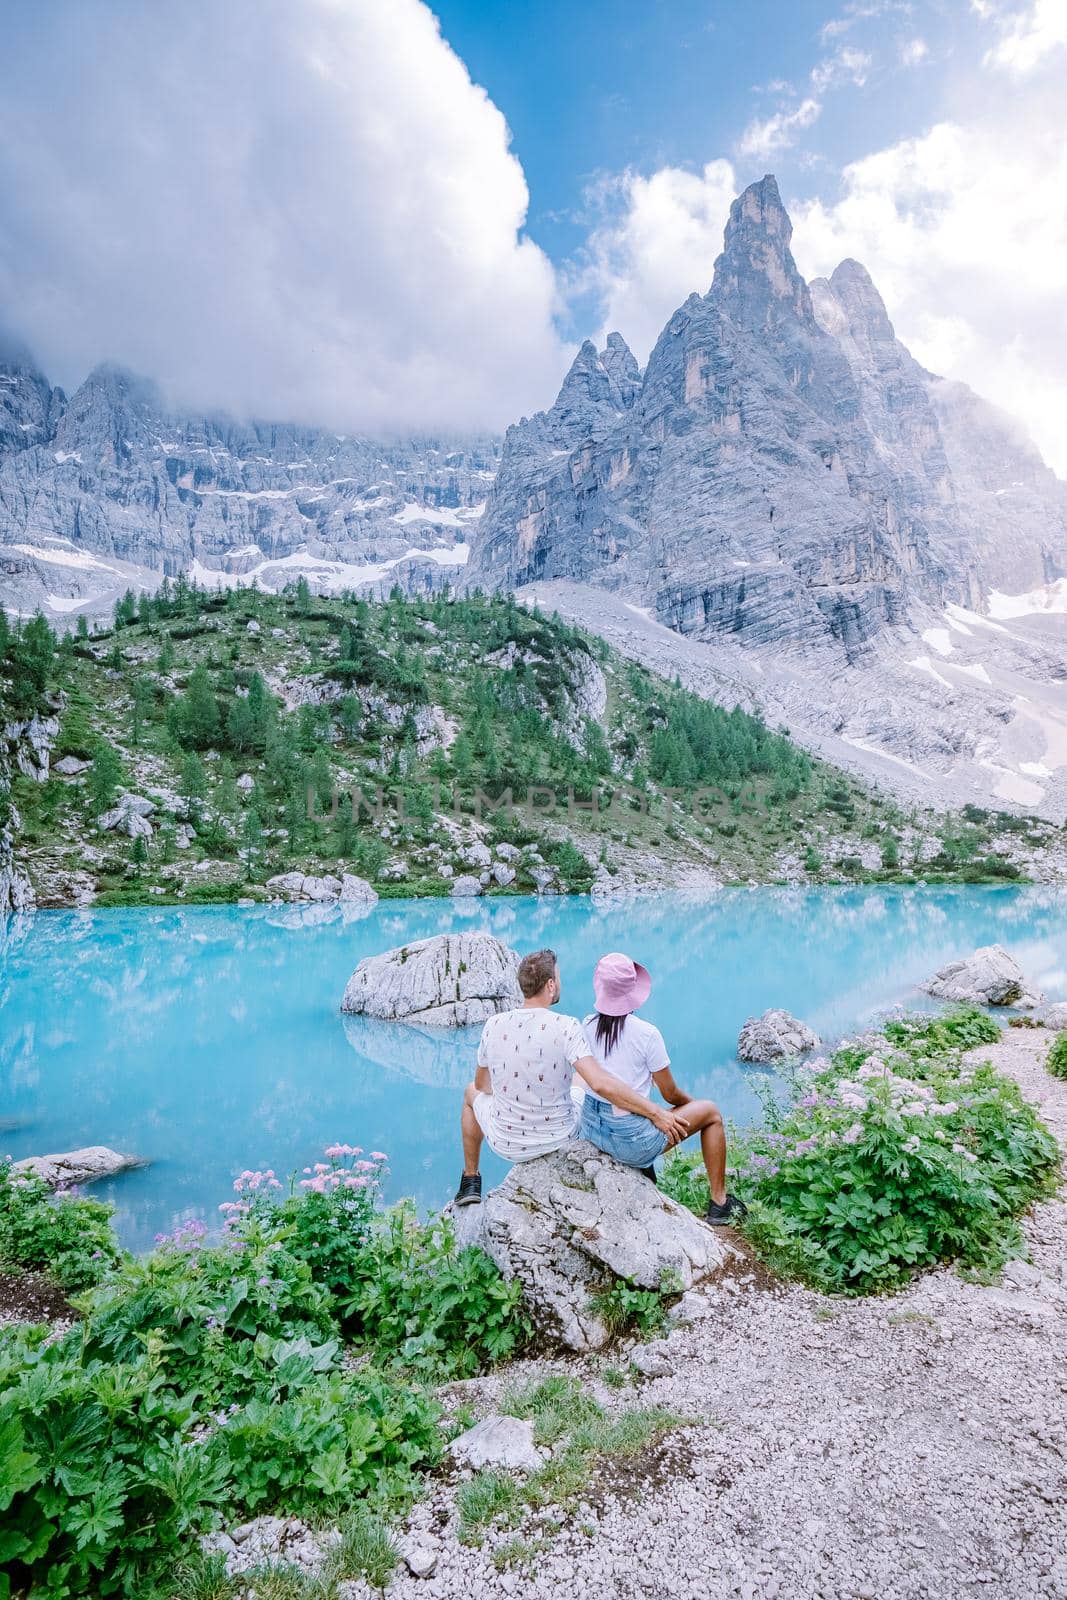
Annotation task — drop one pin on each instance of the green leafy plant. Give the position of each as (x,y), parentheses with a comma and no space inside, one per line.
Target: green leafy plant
(1056,1061)
(890,1157)
(624,1307)
(65,1236)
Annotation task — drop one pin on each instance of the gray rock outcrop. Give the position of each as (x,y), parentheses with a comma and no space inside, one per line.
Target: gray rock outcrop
(109,488)
(569,1224)
(70,1167)
(783,473)
(451,980)
(774,1036)
(989,977)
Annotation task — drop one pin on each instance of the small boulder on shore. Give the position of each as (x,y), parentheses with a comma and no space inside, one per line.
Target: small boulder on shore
(448,981)
(989,977)
(773,1036)
(70,1167)
(302,886)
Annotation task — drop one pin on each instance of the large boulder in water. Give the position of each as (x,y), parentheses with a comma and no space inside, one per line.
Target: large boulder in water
(70,1167)
(570,1224)
(449,981)
(775,1035)
(989,977)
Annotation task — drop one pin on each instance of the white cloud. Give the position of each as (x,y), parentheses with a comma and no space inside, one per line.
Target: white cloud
(1027,37)
(912,51)
(847,65)
(778,132)
(303,211)
(659,245)
(964,231)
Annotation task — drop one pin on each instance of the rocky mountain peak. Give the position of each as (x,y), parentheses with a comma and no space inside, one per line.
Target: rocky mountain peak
(864,306)
(756,280)
(29,406)
(112,413)
(620,363)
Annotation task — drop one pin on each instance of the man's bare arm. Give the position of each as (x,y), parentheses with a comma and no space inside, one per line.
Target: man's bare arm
(482,1081)
(607,1087)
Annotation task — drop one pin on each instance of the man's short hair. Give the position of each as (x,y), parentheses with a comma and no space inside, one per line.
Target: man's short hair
(535,971)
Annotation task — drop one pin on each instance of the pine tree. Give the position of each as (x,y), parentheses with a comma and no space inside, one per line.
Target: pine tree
(139,853)
(194,716)
(105,776)
(143,700)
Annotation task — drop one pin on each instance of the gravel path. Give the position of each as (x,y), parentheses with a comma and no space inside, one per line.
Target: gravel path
(913,1446)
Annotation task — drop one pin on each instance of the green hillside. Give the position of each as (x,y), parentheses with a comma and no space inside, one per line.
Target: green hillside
(278,733)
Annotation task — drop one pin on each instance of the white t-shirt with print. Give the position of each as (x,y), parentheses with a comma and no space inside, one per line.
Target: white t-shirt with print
(530,1054)
(639,1052)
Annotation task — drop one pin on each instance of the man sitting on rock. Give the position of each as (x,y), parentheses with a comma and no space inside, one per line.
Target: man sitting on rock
(520,1100)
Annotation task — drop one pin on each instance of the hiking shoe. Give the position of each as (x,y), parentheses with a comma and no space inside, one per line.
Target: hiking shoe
(469,1192)
(734,1210)
(648,1172)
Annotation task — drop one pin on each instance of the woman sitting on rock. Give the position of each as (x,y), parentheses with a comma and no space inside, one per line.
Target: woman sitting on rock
(634,1052)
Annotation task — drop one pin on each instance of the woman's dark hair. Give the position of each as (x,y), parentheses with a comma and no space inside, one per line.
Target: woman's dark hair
(608,1030)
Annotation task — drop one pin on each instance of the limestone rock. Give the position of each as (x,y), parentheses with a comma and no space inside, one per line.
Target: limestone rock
(325,890)
(465,886)
(568,1224)
(357,890)
(652,1360)
(246,783)
(448,981)
(503,875)
(419,1552)
(774,1035)
(63,1170)
(989,977)
(129,815)
(497,1441)
(70,766)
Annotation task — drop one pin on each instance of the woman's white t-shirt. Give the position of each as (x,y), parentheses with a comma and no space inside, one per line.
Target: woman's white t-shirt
(639,1052)
(530,1054)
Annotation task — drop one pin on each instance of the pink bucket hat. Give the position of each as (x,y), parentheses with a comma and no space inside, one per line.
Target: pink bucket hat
(620,985)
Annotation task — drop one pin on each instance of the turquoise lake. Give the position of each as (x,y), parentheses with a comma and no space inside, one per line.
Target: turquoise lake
(209,1040)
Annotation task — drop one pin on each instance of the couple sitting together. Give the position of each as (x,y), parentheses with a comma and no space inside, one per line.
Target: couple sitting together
(521,1100)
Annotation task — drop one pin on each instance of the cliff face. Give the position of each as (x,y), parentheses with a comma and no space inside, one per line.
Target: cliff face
(110,489)
(782,474)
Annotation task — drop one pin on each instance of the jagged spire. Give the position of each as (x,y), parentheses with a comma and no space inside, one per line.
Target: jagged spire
(620,364)
(756,279)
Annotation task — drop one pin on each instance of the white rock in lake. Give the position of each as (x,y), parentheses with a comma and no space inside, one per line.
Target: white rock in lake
(448,981)
(989,977)
(567,1225)
(498,1441)
(355,889)
(69,1167)
(774,1035)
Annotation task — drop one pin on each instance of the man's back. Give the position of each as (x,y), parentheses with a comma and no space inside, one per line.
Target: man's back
(530,1055)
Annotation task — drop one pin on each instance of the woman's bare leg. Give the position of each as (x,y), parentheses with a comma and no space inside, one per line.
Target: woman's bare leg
(705,1118)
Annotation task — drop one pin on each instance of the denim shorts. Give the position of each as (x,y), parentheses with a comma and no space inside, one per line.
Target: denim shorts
(633,1140)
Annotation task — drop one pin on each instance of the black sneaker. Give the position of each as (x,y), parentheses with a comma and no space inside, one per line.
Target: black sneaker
(733,1210)
(470,1189)
(648,1172)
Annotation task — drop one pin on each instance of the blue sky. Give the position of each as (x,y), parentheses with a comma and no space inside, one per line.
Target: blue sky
(590,88)
(378,216)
